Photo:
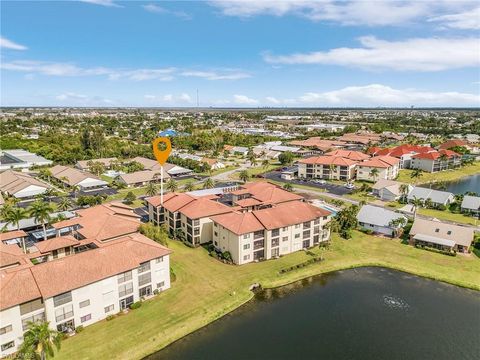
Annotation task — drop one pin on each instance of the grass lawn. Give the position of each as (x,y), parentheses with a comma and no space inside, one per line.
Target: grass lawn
(361,196)
(217,172)
(447,215)
(206,289)
(448,175)
(256,170)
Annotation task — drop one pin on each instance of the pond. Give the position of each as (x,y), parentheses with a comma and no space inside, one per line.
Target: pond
(366,313)
(469,183)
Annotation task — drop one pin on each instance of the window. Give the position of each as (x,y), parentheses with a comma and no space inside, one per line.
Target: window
(160,284)
(126,276)
(246,257)
(85,318)
(285,238)
(62,299)
(325,217)
(316,222)
(306,234)
(306,225)
(437,230)
(246,246)
(34,318)
(144,279)
(449,232)
(297,236)
(159,260)
(84,303)
(285,228)
(196,222)
(246,236)
(275,252)
(5,329)
(55,254)
(275,242)
(297,226)
(125,289)
(275,232)
(64,313)
(144,267)
(109,308)
(8,345)
(31,306)
(215,233)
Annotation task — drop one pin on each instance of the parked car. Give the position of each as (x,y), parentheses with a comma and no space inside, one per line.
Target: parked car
(320,182)
(350,186)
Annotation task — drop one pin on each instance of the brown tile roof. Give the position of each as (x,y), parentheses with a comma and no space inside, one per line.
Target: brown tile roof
(71,272)
(352,155)
(328,160)
(17,287)
(239,223)
(380,162)
(143,176)
(83,164)
(203,207)
(269,193)
(453,143)
(12,235)
(434,155)
(56,243)
(248,202)
(73,176)
(148,164)
(177,201)
(12,182)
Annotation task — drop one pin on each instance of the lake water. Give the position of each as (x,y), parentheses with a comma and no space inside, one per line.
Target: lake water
(364,314)
(469,183)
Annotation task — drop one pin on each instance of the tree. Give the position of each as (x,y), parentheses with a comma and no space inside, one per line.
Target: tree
(347,220)
(286,158)
(208,184)
(443,161)
(129,198)
(374,173)
(265,164)
(96,167)
(75,189)
(39,341)
(172,185)
(13,216)
(416,202)
(226,154)
(416,174)
(45,174)
(151,189)
(288,187)
(64,181)
(189,186)
(244,176)
(41,211)
(64,203)
(253,159)
(404,190)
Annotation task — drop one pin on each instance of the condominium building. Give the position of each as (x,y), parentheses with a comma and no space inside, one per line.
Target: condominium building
(190,216)
(404,153)
(99,268)
(386,167)
(270,232)
(327,167)
(436,161)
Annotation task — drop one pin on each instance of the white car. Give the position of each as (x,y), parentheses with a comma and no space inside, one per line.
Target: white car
(321,182)
(350,186)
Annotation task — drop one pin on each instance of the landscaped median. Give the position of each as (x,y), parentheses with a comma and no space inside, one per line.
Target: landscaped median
(206,289)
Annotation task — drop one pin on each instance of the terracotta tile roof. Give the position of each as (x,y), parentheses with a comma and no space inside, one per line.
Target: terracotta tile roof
(328,160)
(239,223)
(248,202)
(71,272)
(155,200)
(318,142)
(380,162)
(103,222)
(240,191)
(404,149)
(178,201)
(452,143)
(352,155)
(434,155)
(10,255)
(269,193)
(17,287)
(56,243)
(12,235)
(12,182)
(373,150)
(203,207)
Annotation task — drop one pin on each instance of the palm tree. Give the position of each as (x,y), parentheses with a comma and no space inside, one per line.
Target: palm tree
(288,187)
(45,173)
(151,189)
(75,190)
(265,164)
(374,173)
(189,186)
(172,185)
(416,174)
(39,341)
(208,184)
(253,159)
(416,203)
(64,204)
(64,181)
(40,211)
(404,190)
(13,216)
(6,208)
(443,159)
(244,176)
(332,169)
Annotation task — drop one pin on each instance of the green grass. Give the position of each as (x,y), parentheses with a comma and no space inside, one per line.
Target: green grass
(447,215)
(361,196)
(448,175)
(256,170)
(218,171)
(206,289)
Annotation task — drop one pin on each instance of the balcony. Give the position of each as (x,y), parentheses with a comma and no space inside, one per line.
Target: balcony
(258,245)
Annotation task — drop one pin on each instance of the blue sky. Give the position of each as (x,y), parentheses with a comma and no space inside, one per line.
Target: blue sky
(240,53)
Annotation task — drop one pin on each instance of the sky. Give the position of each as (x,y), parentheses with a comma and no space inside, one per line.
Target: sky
(240,53)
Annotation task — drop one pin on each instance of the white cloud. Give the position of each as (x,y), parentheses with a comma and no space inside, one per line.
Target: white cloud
(244,100)
(372,13)
(272,100)
(211,75)
(107,3)
(469,19)
(185,97)
(71,98)
(149,97)
(8,44)
(381,95)
(156,9)
(418,54)
(168,97)
(144,74)
(54,69)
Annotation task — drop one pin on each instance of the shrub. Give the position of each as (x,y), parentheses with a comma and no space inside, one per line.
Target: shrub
(79,329)
(156,292)
(227,256)
(156,233)
(135,305)
(129,198)
(110,317)
(173,276)
(441,207)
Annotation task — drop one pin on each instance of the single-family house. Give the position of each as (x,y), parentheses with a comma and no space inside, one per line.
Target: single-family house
(21,159)
(436,197)
(84,165)
(380,220)
(21,185)
(471,204)
(74,177)
(389,190)
(442,236)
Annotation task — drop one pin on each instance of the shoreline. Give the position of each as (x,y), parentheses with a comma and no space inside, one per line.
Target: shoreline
(355,266)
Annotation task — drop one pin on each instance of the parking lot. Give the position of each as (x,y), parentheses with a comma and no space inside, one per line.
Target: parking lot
(329,187)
